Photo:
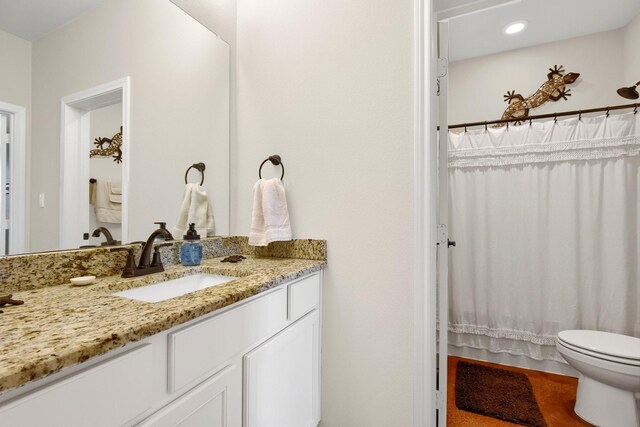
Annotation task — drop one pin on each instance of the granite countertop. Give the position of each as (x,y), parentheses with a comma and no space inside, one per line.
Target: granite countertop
(60,326)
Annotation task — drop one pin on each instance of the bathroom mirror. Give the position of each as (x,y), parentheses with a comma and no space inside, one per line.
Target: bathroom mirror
(142,84)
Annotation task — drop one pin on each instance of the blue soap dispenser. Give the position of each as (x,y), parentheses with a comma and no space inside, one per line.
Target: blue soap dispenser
(191,249)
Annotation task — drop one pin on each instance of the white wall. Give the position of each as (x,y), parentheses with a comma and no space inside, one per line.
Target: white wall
(328,86)
(15,71)
(477,86)
(631,49)
(105,122)
(179,106)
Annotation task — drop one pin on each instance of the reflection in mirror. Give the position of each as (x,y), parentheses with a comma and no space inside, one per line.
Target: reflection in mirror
(172,105)
(105,132)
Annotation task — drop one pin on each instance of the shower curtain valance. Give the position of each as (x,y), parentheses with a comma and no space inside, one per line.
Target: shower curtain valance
(573,139)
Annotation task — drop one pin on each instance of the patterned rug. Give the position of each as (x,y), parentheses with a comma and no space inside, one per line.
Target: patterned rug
(497,393)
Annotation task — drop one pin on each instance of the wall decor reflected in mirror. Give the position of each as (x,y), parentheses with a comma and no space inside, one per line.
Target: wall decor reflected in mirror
(103,105)
(109,147)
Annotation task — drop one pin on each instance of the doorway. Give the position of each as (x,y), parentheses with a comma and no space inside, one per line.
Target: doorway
(75,219)
(12,179)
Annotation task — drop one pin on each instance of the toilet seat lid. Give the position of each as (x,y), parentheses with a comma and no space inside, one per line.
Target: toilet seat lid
(605,343)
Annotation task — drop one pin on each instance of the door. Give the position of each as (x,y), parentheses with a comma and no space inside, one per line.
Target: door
(5,189)
(13,174)
(442,263)
(282,378)
(217,402)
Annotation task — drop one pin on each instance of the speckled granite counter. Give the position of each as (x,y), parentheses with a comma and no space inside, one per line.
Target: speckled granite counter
(60,326)
(33,271)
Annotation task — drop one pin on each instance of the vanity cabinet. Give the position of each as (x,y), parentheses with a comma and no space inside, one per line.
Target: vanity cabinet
(255,363)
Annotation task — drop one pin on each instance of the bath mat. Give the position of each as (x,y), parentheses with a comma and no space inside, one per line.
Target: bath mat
(497,393)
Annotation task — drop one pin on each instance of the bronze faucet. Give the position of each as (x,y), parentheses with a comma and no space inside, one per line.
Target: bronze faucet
(107,235)
(147,265)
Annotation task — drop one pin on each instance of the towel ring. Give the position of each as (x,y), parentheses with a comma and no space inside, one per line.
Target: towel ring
(275,161)
(200,167)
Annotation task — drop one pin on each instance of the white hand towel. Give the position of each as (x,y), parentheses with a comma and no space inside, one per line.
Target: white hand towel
(270,216)
(196,209)
(108,206)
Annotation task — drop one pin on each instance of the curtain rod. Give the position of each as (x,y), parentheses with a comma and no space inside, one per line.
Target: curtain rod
(546,116)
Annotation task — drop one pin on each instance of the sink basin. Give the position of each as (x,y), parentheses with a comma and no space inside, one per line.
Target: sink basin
(174,288)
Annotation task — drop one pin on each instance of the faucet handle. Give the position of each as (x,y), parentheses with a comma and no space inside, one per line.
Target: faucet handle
(130,266)
(157,259)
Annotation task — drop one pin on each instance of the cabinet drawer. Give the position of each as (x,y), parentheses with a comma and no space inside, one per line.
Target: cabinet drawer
(109,394)
(304,296)
(197,351)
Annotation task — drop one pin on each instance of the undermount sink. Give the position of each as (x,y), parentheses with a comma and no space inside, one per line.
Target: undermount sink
(174,288)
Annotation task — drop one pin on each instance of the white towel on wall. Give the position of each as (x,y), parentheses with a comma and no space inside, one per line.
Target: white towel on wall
(196,208)
(107,201)
(270,216)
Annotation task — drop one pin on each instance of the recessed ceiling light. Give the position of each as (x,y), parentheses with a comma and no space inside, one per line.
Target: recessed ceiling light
(515,27)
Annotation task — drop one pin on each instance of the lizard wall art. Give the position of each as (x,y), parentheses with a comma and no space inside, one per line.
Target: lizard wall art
(553,89)
(113,148)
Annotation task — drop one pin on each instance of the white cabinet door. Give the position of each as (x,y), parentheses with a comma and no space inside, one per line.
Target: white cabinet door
(217,402)
(282,378)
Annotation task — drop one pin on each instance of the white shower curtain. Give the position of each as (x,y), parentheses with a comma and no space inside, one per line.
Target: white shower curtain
(546,220)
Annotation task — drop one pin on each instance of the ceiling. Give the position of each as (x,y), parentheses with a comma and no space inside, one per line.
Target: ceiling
(472,34)
(481,33)
(32,19)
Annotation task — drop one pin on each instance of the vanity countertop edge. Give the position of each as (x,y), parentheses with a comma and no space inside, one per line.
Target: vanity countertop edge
(61,326)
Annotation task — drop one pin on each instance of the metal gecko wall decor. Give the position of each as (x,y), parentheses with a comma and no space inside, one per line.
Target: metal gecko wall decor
(553,89)
(113,147)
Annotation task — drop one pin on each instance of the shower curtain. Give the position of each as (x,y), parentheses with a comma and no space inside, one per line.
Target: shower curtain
(546,220)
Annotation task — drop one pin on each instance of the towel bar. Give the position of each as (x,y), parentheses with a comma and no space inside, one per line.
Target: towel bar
(200,167)
(275,160)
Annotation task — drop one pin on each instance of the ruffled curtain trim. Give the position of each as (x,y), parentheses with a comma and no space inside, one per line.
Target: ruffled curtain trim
(586,149)
(503,333)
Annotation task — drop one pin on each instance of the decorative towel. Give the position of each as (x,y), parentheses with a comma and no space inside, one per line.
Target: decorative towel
(107,201)
(196,209)
(270,217)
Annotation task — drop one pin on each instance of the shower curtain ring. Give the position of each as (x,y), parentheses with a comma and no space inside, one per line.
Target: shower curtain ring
(607,111)
(580,116)
(530,124)
(635,109)
(507,125)
(465,128)
(555,118)
(485,126)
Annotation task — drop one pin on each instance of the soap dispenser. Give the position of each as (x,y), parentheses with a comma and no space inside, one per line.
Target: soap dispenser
(191,249)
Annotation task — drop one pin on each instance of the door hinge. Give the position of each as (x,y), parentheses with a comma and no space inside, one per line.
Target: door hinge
(443,234)
(440,403)
(443,67)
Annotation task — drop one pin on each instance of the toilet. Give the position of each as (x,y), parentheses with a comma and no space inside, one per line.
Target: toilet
(609,381)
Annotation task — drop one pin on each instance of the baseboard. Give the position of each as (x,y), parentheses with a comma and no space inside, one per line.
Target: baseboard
(524,362)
